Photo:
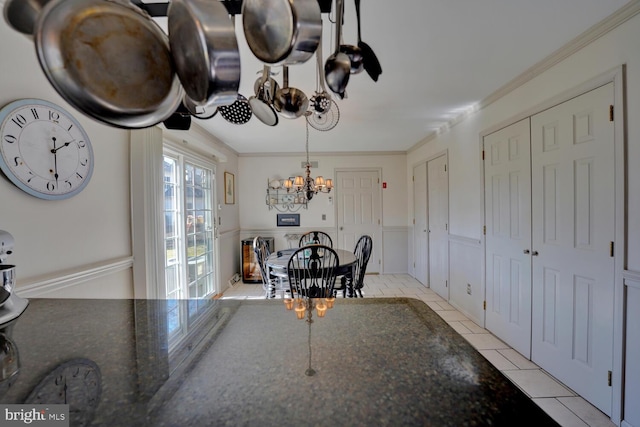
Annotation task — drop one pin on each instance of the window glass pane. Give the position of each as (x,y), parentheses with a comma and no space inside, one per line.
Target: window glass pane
(172,230)
(173,318)
(189,241)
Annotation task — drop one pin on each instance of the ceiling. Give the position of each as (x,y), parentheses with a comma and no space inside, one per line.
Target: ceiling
(440,58)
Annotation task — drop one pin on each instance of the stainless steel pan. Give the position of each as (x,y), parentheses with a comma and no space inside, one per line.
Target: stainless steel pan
(205,51)
(22,15)
(109,60)
(282,31)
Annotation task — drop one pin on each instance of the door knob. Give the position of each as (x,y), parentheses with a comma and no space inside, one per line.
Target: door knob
(534,253)
(526,251)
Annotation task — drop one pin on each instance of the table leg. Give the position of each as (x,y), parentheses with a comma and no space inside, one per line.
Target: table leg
(349,286)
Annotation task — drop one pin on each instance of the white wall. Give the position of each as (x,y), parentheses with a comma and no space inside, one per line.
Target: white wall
(255,217)
(61,245)
(611,51)
(92,227)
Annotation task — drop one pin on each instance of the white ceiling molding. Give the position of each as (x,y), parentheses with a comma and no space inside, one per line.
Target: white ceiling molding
(600,29)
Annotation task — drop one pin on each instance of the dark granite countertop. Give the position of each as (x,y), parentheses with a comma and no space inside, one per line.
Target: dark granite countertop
(231,363)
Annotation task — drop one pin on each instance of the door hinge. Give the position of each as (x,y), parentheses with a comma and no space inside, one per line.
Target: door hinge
(414,221)
(446,283)
(482,154)
(610,113)
(446,227)
(413,178)
(378,222)
(609,374)
(611,249)
(484,305)
(484,230)
(445,168)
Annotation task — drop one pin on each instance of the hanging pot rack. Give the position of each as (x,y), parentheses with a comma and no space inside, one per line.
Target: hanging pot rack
(233,6)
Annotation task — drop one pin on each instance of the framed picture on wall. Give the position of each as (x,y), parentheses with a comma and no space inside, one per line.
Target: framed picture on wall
(229,189)
(288,220)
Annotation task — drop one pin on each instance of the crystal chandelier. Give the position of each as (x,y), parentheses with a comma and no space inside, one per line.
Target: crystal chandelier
(307,186)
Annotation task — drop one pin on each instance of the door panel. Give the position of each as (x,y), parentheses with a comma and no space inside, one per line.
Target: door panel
(420,260)
(358,198)
(438,219)
(508,235)
(573,178)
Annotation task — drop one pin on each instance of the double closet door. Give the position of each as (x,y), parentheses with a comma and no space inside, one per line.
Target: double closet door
(550,210)
(431,224)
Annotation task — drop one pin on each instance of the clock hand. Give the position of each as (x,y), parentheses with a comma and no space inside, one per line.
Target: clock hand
(66,144)
(55,159)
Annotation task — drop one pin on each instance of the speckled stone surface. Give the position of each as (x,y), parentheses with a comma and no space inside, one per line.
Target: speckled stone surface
(378,362)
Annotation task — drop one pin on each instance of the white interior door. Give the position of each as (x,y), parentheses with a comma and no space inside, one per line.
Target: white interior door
(420,259)
(438,221)
(507,172)
(358,198)
(573,173)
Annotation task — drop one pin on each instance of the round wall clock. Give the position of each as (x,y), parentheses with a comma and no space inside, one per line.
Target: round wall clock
(44,150)
(77,383)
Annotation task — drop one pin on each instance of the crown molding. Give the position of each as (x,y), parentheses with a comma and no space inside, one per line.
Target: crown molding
(598,30)
(325,153)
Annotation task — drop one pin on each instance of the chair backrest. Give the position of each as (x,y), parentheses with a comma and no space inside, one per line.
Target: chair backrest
(312,271)
(362,252)
(261,249)
(315,238)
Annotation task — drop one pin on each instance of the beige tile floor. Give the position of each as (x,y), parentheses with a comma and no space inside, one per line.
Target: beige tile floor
(563,404)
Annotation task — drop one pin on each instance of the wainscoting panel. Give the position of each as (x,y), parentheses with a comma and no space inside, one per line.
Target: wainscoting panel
(229,256)
(395,244)
(631,412)
(466,290)
(287,237)
(394,250)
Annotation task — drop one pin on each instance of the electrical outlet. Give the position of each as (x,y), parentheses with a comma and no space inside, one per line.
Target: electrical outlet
(469,288)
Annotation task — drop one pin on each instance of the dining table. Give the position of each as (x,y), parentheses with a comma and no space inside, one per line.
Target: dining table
(277,263)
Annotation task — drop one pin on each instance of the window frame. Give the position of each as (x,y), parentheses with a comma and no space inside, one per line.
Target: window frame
(147,208)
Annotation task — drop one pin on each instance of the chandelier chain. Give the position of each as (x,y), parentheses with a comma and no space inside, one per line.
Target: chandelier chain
(307,140)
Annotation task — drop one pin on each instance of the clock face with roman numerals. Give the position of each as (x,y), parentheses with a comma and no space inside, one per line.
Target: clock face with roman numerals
(44,150)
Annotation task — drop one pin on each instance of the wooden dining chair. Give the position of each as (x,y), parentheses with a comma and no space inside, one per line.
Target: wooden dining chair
(354,283)
(312,271)
(270,282)
(315,237)
(362,252)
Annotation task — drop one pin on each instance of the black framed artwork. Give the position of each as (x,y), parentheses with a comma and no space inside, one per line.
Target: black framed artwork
(288,220)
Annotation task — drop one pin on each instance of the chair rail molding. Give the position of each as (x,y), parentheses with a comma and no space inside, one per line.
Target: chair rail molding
(36,287)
